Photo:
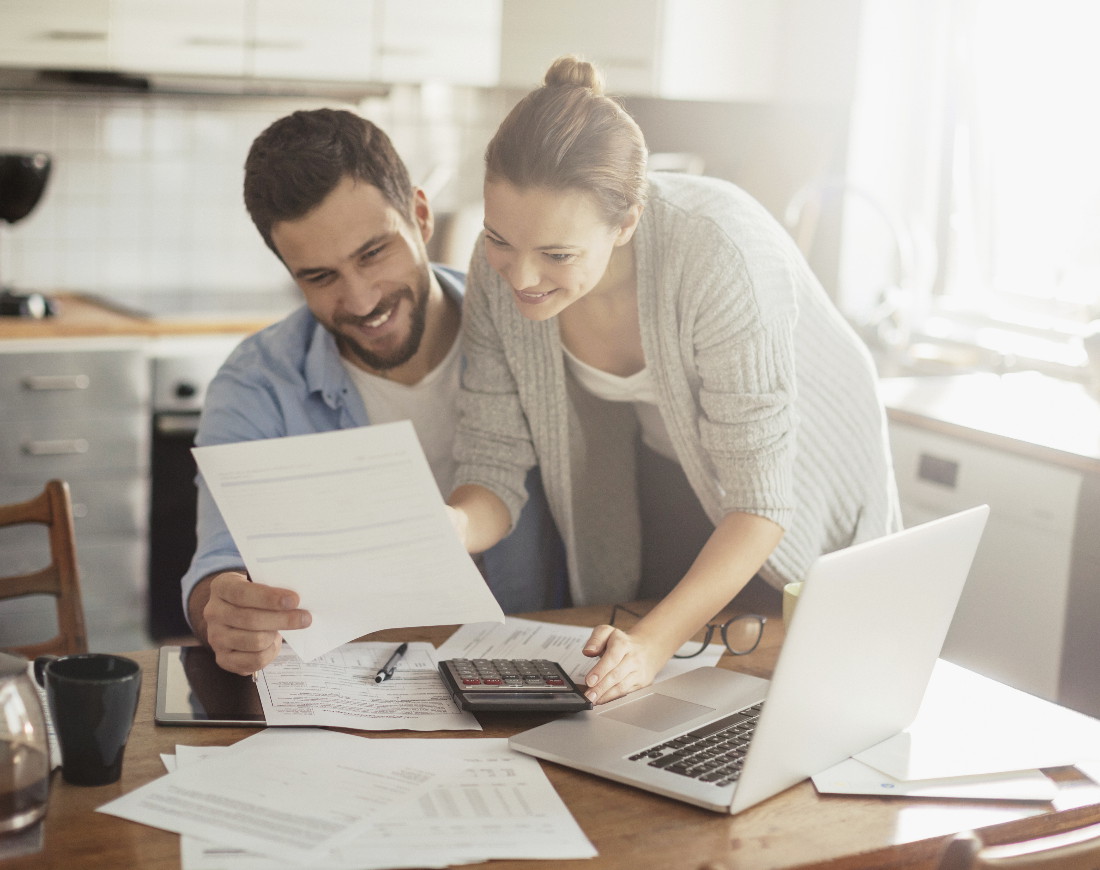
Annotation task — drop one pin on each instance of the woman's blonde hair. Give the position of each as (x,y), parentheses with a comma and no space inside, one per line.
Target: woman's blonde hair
(568,135)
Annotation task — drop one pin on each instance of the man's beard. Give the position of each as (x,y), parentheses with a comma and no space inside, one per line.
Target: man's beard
(406,351)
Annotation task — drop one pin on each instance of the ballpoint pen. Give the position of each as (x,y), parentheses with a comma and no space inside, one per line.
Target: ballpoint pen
(391,664)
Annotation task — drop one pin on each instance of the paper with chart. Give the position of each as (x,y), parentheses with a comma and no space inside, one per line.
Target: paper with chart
(338,690)
(292,794)
(354,523)
(521,638)
(498,805)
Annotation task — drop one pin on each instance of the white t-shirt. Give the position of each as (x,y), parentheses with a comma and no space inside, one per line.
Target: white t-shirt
(637,389)
(431,405)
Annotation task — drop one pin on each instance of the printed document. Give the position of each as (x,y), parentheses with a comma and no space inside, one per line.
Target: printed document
(530,639)
(288,793)
(354,523)
(970,725)
(498,805)
(855,777)
(338,690)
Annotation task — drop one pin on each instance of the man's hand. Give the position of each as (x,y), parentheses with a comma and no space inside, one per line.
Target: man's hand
(241,621)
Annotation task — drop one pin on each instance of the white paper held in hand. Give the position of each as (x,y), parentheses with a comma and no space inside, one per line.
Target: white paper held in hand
(352,521)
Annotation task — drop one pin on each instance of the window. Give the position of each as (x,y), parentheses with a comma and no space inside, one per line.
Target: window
(976,125)
(1021,227)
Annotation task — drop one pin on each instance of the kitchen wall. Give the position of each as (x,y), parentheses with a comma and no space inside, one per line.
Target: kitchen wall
(144,199)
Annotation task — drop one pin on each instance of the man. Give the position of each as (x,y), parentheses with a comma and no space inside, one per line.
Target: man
(377,340)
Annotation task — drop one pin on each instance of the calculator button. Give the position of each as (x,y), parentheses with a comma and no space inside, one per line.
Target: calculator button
(467,681)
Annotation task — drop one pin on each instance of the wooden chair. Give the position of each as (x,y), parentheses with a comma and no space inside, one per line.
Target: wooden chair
(53,509)
(1077,849)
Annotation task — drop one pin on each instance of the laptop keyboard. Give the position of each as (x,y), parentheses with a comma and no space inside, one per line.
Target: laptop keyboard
(713,753)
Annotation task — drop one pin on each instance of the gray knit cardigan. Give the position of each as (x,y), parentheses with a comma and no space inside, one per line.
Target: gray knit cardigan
(769,397)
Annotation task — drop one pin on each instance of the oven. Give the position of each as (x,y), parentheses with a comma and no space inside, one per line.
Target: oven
(182,368)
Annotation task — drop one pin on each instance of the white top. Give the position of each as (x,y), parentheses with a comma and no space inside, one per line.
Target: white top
(638,389)
(431,405)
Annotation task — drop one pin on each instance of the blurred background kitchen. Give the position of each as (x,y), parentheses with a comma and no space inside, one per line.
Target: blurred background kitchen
(935,160)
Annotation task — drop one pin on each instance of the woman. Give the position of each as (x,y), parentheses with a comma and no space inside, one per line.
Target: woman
(602,304)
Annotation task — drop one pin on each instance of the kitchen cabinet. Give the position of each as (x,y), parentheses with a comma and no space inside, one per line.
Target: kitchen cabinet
(52,34)
(199,37)
(440,40)
(386,41)
(79,410)
(327,40)
(723,50)
(1029,447)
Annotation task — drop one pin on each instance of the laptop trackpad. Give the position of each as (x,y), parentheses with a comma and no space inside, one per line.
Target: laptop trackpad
(657,712)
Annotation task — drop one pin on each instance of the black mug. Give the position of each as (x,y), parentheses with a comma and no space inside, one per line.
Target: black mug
(93,700)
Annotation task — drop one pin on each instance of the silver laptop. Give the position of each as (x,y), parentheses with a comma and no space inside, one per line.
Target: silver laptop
(858,655)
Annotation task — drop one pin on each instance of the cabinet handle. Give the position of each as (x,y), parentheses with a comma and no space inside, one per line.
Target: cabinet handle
(59,447)
(43,383)
(942,471)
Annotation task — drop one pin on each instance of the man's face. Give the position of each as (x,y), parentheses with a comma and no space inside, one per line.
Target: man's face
(363,268)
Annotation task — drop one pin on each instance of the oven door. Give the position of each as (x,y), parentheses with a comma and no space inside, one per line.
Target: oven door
(172,506)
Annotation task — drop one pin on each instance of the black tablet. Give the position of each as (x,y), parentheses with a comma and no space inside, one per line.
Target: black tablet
(193,690)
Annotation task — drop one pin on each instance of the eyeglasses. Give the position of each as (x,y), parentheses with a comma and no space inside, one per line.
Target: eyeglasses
(741,634)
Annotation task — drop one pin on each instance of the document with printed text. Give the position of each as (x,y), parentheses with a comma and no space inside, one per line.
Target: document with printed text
(292,794)
(338,690)
(521,638)
(498,805)
(352,521)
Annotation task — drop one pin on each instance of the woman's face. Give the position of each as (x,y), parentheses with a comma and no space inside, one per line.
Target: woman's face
(553,247)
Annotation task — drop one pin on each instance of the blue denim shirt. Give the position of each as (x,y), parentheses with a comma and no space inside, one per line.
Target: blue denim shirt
(288,380)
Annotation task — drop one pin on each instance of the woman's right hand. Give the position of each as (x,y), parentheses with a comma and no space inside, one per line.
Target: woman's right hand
(626,663)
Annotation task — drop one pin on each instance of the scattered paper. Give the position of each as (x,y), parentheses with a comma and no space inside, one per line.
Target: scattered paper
(1090,768)
(854,777)
(338,689)
(287,793)
(352,521)
(499,805)
(970,725)
(530,639)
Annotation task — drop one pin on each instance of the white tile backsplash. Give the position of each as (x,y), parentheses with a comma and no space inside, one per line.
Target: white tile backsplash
(144,196)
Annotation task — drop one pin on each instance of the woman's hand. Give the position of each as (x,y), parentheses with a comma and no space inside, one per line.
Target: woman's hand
(626,663)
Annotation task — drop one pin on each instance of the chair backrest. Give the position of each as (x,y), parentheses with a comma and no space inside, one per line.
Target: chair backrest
(1077,849)
(53,509)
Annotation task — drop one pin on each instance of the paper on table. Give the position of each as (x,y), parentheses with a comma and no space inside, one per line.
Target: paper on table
(527,638)
(289,793)
(354,523)
(969,724)
(338,690)
(855,777)
(500,805)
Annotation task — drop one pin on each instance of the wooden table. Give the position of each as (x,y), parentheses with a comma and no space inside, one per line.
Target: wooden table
(630,828)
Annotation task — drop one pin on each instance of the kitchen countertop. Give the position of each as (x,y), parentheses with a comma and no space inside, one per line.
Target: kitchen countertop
(1026,413)
(86,316)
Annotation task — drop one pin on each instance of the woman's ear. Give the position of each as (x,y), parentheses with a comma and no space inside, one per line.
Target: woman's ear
(629,224)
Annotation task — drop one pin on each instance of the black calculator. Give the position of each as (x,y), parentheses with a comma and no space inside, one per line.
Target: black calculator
(512,685)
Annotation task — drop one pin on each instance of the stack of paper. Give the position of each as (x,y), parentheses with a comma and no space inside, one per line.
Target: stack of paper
(972,738)
(311,798)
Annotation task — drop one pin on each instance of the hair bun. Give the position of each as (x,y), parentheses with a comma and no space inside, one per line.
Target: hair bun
(569,71)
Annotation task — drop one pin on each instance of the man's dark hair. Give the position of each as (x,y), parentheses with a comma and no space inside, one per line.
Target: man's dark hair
(300,159)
